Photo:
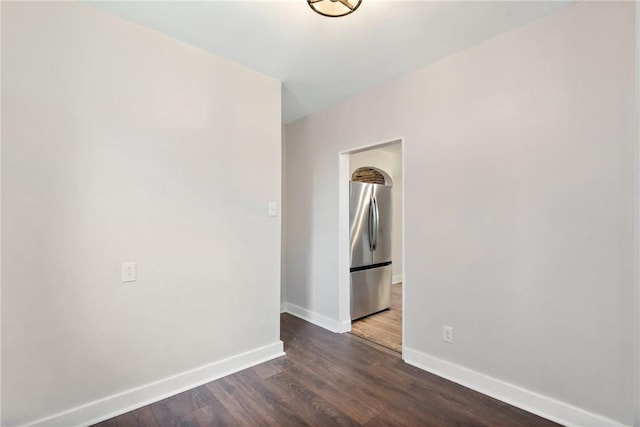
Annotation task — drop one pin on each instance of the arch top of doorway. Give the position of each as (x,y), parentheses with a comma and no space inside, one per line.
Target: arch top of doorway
(371,175)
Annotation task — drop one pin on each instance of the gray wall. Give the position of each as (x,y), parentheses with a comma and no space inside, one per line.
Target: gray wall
(519,194)
(120,144)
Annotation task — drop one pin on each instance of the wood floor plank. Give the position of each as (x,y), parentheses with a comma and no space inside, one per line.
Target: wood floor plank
(267,369)
(342,398)
(142,417)
(381,388)
(214,415)
(239,409)
(176,410)
(316,410)
(344,379)
(265,402)
(329,379)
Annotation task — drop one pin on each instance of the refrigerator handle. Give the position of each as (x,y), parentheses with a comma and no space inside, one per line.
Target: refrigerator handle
(370,225)
(377,223)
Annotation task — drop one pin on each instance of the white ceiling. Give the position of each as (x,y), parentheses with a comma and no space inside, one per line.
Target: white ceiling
(320,60)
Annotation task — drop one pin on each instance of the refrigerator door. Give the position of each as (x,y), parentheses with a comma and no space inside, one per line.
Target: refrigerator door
(360,216)
(381,196)
(370,291)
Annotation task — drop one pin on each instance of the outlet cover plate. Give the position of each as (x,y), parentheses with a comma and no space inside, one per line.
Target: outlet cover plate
(447,334)
(129,271)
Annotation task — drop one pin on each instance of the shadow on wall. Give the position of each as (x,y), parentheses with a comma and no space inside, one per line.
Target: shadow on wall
(299,188)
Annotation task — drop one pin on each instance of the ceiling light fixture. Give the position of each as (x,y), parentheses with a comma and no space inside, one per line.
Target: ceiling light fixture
(334,8)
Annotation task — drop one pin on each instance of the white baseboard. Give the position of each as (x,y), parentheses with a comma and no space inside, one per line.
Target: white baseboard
(317,319)
(129,400)
(530,401)
(283,307)
(396,278)
(345,326)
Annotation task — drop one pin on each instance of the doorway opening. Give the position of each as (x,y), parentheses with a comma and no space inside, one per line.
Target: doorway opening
(379,165)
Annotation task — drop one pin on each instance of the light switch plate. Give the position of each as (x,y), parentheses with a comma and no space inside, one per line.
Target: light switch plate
(273,209)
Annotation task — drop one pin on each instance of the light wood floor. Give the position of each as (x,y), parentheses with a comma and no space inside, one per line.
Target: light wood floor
(329,379)
(384,328)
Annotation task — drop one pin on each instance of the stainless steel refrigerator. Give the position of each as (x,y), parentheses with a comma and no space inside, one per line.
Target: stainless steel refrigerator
(370,228)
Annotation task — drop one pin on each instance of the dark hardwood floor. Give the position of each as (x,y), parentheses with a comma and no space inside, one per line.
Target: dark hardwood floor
(329,379)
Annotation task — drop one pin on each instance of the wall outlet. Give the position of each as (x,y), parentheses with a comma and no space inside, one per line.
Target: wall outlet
(128,271)
(447,334)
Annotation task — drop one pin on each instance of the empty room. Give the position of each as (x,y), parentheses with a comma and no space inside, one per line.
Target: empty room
(320,212)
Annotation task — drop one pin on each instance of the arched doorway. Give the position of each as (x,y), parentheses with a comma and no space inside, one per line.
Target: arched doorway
(381,166)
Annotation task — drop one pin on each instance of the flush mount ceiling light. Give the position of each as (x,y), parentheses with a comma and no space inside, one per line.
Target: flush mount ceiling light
(334,8)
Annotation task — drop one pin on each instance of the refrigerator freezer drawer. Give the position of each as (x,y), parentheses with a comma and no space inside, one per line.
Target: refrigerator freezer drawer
(370,291)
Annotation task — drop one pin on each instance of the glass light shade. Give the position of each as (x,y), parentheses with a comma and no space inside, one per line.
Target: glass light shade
(334,8)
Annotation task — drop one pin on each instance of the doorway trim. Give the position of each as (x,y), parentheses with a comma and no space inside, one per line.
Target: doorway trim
(344,175)
(636,236)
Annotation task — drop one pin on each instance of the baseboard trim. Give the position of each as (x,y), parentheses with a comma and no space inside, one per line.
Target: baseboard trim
(345,326)
(396,278)
(530,401)
(317,319)
(120,403)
